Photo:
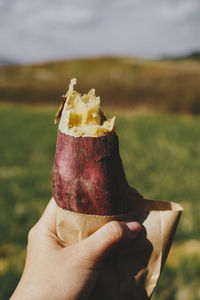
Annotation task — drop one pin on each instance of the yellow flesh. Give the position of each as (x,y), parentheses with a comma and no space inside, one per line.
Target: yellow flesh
(81,115)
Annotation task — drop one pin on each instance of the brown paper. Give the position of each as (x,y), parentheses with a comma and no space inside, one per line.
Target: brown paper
(131,273)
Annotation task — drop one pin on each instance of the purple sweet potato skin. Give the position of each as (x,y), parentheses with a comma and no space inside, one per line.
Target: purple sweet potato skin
(88,175)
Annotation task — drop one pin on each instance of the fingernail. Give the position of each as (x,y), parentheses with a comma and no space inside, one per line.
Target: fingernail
(134,227)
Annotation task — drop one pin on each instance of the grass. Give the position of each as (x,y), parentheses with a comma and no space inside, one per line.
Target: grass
(161,159)
(124,82)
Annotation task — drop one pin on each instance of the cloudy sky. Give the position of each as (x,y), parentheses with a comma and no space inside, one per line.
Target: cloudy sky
(36,30)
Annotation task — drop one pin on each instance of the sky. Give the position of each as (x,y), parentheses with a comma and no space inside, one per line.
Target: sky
(39,30)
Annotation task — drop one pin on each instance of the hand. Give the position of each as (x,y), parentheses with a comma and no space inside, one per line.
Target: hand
(56,271)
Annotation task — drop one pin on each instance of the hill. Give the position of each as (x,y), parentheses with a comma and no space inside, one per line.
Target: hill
(121,82)
(195,55)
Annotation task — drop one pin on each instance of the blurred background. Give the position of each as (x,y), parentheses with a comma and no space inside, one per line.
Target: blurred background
(143,59)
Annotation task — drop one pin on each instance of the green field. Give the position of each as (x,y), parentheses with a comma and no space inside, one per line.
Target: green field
(161,159)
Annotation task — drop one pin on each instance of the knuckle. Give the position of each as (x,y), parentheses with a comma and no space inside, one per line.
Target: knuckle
(32,234)
(116,230)
(86,251)
(85,256)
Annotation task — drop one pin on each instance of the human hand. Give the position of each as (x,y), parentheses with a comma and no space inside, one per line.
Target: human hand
(56,271)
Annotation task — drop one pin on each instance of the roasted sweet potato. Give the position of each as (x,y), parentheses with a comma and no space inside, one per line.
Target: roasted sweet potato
(88,175)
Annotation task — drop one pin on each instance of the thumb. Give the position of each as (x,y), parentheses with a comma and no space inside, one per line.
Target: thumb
(109,237)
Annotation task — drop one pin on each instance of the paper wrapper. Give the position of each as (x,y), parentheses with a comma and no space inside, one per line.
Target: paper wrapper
(131,273)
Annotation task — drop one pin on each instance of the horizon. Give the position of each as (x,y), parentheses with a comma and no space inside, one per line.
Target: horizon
(7,62)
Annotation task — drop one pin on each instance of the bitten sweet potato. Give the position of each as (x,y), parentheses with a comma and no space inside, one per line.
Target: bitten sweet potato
(88,175)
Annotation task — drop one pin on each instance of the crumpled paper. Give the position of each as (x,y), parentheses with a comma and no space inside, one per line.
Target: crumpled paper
(133,272)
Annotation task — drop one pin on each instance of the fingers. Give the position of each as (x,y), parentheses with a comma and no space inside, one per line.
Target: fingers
(43,236)
(48,218)
(110,236)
